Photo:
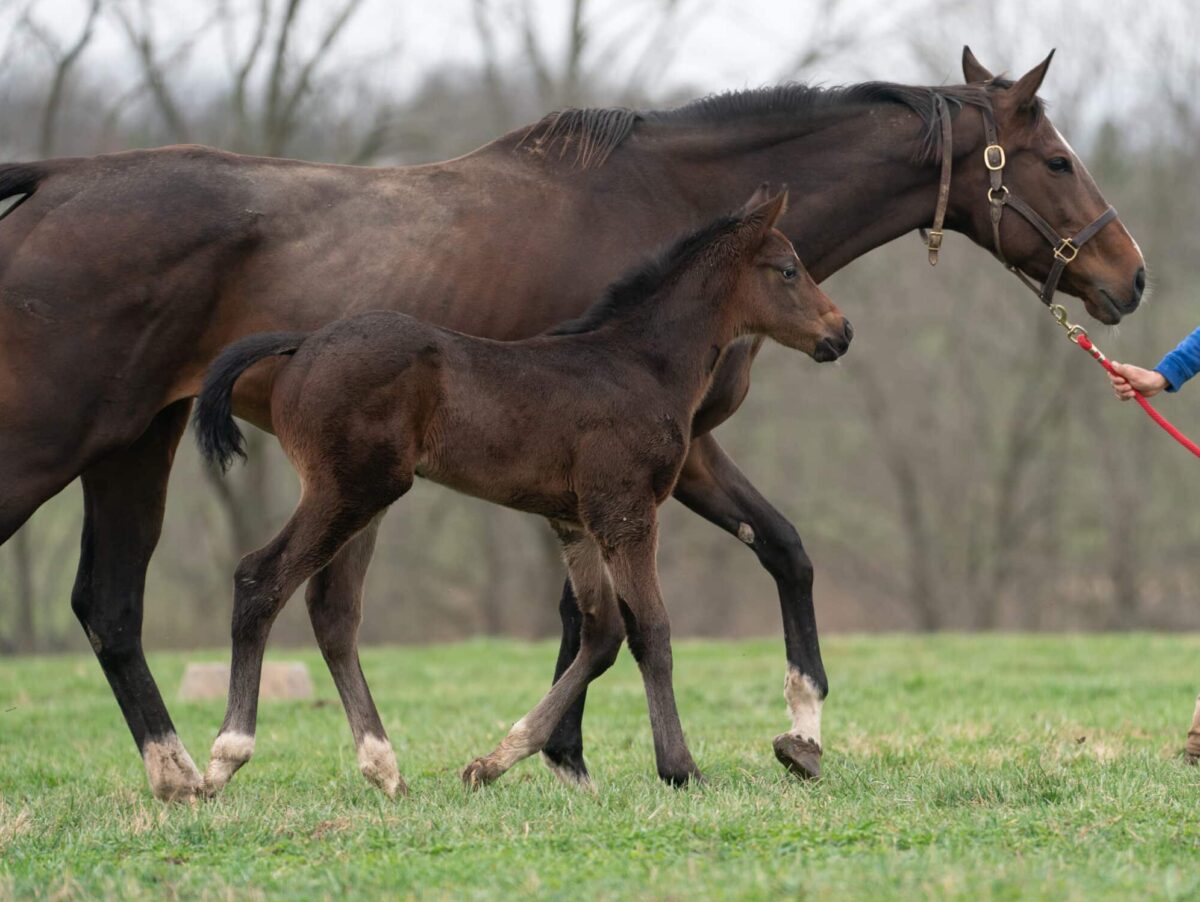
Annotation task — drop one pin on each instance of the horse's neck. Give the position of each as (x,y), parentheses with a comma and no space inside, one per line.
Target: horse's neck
(853,177)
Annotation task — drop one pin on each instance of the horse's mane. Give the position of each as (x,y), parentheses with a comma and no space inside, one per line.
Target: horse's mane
(587,137)
(643,282)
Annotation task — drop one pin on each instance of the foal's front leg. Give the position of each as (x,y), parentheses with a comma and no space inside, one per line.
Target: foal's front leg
(264,581)
(635,577)
(601,635)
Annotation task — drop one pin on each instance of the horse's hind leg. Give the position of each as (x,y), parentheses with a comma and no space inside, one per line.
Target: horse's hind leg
(601,636)
(335,608)
(124,499)
(322,523)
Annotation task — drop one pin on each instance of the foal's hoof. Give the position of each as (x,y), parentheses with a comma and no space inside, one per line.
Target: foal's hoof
(570,770)
(1191,751)
(377,762)
(682,777)
(802,757)
(481,772)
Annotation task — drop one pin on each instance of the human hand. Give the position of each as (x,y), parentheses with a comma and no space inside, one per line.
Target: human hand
(1130,379)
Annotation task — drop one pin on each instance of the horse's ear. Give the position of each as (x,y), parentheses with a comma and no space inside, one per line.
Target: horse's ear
(760,196)
(1027,85)
(972,69)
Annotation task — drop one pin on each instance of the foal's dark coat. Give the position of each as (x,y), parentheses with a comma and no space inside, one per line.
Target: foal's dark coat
(587,427)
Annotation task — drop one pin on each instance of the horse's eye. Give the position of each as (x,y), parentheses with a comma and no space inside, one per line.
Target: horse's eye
(1059,164)
(789,272)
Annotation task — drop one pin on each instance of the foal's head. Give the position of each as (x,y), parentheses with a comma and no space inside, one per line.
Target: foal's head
(774,295)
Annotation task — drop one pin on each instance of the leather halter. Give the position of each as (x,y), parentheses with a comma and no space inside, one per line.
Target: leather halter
(999,197)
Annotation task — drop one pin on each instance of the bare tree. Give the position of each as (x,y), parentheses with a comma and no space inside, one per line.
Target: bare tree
(63,61)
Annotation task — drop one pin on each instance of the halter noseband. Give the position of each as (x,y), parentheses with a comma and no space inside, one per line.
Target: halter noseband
(999,197)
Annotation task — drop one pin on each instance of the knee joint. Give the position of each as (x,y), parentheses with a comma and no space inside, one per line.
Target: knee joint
(785,556)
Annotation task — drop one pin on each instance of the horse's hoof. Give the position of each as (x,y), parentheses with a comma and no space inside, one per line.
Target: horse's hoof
(570,770)
(480,772)
(802,757)
(172,774)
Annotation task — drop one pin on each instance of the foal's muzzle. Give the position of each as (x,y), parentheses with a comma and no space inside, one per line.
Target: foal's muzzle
(833,347)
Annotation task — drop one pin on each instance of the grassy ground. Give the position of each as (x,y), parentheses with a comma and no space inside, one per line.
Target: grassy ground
(961,767)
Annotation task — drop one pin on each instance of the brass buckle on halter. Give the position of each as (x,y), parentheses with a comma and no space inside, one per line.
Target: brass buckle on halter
(998,199)
(1067,251)
(934,240)
(988,152)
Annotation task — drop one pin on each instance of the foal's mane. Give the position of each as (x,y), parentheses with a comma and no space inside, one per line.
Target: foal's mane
(594,133)
(645,281)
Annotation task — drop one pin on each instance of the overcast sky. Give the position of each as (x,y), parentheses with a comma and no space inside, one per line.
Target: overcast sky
(1112,49)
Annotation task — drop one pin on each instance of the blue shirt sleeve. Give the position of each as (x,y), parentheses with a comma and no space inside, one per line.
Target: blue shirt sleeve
(1181,364)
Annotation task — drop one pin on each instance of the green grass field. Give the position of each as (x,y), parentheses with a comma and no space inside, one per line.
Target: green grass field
(959,767)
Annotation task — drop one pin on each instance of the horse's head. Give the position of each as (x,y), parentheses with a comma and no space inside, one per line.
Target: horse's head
(776,296)
(1037,166)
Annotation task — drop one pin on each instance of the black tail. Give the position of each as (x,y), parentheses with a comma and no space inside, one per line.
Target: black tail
(19,178)
(218,436)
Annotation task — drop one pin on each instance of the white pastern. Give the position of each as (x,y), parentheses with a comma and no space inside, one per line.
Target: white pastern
(229,752)
(377,762)
(173,774)
(517,746)
(804,704)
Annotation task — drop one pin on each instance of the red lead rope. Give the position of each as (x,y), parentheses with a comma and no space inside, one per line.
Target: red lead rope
(1084,342)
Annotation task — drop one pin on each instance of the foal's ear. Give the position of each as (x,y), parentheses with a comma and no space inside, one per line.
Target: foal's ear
(1027,85)
(765,216)
(973,69)
(760,196)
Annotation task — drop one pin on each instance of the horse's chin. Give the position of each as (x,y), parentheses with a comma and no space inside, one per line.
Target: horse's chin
(1101,307)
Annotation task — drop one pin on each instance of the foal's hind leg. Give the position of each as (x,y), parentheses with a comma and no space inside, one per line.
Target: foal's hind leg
(1192,749)
(265,579)
(335,607)
(601,635)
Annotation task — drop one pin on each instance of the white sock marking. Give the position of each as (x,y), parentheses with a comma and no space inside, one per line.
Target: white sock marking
(377,762)
(804,704)
(229,752)
(173,774)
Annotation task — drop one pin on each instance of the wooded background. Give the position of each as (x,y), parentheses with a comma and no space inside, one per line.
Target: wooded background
(963,468)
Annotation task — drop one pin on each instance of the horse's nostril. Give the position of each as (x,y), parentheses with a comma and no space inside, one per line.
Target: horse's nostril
(849,330)
(1139,282)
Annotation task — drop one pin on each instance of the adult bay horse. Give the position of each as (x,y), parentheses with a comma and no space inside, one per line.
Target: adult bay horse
(587,426)
(122,276)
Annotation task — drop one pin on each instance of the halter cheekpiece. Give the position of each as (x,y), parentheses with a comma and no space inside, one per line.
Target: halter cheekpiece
(1065,249)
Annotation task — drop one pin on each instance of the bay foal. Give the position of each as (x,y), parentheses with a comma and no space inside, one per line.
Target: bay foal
(587,426)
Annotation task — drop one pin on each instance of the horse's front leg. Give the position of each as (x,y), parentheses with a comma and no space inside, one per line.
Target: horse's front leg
(713,486)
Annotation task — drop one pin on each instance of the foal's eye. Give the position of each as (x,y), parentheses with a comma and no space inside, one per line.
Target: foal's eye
(789,272)
(1059,164)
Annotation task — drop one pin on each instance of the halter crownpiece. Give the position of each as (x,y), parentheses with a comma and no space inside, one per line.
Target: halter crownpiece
(1065,249)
